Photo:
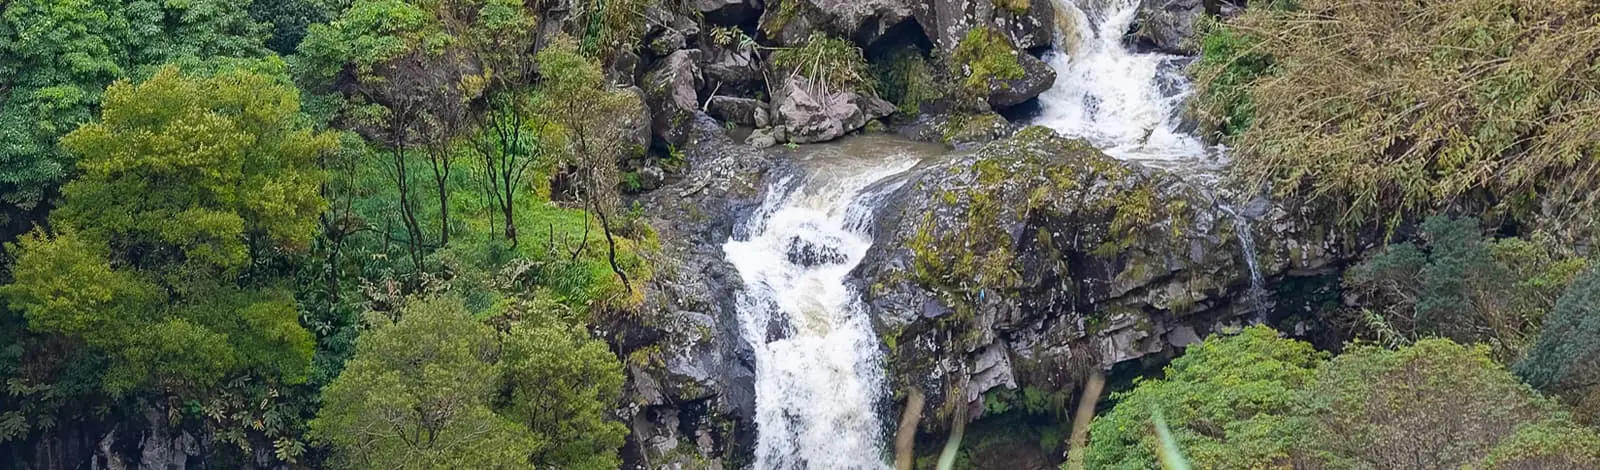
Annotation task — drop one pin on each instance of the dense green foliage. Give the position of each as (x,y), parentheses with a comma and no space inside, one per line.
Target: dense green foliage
(417,395)
(827,61)
(1254,400)
(158,258)
(985,55)
(1383,111)
(1456,283)
(1233,401)
(1565,359)
(56,58)
(229,259)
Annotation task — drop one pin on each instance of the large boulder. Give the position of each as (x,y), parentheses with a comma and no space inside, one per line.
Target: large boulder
(1037,259)
(809,112)
(791,22)
(946,22)
(1168,25)
(726,12)
(734,68)
(742,111)
(691,387)
(672,93)
(1037,77)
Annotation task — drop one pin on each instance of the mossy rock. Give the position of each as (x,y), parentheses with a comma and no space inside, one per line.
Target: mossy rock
(1064,258)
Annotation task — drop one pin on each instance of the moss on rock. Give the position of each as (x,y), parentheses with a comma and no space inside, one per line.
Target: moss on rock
(986,55)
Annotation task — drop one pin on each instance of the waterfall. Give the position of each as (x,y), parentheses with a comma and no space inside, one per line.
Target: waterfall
(1130,105)
(1127,104)
(819,367)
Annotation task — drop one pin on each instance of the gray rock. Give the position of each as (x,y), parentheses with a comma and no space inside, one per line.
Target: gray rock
(1030,29)
(703,390)
(1168,25)
(1036,79)
(733,67)
(742,111)
(766,138)
(811,113)
(672,93)
(1076,262)
(639,120)
(865,21)
(624,69)
(725,12)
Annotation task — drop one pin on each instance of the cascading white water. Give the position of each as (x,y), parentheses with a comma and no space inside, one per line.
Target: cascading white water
(819,370)
(1128,104)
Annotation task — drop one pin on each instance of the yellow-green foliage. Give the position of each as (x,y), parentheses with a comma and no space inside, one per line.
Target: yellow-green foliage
(907,80)
(984,55)
(1385,109)
(1016,6)
(826,60)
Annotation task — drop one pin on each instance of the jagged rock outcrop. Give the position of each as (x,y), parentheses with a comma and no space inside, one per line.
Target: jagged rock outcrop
(742,111)
(672,91)
(1168,25)
(693,388)
(735,68)
(1037,78)
(812,113)
(946,22)
(791,22)
(1035,259)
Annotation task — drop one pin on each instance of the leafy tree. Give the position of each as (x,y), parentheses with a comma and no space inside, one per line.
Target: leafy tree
(1565,359)
(417,395)
(562,384)
(152,261)
(1457,283)
(289,20)
(56,58)
(1231,401)
(414,69)
(575,97)
(1435,404)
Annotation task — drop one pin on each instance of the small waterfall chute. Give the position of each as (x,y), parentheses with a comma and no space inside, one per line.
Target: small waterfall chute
(819,366)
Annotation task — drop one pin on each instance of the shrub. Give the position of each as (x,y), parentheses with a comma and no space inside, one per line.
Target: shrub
(1457,283)
(1436,404)
(1383,109)
(1565,359)
(1231,401)
(826,60)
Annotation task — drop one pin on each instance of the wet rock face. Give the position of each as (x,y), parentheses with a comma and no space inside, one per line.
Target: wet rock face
(1169,25)
(811,113)
(791,22)
(1035,259)
(693,388)
(810,254)
(672,92)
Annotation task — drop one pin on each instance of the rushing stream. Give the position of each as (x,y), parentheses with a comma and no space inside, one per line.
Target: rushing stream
(1130,105)
(819,370)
